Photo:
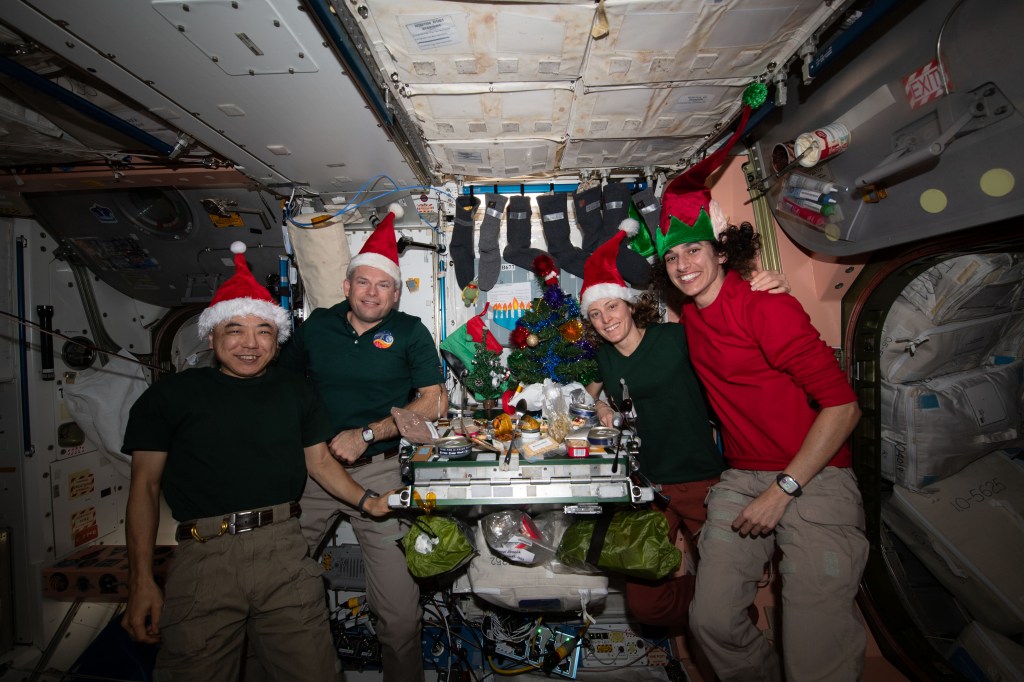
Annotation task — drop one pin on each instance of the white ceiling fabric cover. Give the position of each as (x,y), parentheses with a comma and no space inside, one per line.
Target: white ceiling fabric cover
(503,89)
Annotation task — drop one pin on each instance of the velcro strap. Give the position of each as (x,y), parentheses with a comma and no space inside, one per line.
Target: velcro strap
(597,539)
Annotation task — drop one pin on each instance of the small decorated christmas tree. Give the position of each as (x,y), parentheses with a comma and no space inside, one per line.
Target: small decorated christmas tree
(489,378)
(548,341)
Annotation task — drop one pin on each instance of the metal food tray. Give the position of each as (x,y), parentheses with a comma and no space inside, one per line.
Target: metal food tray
(488,481)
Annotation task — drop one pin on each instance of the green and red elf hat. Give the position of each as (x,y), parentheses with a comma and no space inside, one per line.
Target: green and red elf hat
(688,213)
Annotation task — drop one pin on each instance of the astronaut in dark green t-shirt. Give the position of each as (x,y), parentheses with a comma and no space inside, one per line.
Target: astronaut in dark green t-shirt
(230,447)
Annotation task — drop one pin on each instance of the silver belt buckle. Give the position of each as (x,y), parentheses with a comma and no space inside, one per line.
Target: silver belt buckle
(233,519)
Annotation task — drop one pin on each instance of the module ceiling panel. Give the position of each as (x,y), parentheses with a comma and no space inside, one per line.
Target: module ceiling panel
(617,84)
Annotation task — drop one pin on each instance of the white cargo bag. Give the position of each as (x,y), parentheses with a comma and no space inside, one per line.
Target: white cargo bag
(932,429)
(323,254)
(967,287)
(531,588)
(913,348)
(969,532)
(1010,345)
(983,654)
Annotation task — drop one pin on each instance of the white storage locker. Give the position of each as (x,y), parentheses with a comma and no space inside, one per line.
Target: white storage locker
(968,531)
(982,655)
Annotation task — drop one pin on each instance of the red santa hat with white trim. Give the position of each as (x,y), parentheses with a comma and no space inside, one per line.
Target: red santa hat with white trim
(601,278)
(241,295)
(381,249)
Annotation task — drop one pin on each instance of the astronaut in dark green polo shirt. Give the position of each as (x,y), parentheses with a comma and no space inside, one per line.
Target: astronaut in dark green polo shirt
(365,357)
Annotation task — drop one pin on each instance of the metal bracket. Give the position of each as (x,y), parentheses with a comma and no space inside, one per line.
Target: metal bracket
(969,112)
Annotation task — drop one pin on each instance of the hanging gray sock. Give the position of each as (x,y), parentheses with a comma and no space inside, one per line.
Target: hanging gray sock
(517,231)
(554,216)
(489,266)
(633,267)
(615,207)
(587,206)
(650,210)
(462,240)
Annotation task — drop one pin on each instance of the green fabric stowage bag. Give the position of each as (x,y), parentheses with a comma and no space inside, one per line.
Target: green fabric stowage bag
(634,543)
(428,556)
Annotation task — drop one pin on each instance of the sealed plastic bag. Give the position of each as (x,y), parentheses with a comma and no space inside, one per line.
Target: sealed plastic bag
(515,536)
(634,543)
(552,525)
(447,546)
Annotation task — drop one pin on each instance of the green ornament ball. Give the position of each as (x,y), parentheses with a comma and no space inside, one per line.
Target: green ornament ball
(755,95)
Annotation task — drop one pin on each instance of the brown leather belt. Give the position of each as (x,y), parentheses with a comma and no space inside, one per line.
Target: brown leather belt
(364,460)
(235,522)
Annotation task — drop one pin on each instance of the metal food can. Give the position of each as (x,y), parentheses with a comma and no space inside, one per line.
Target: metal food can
(824,143)
(603,436)
(453,447)
(783,154)
(582,415)
(529,434)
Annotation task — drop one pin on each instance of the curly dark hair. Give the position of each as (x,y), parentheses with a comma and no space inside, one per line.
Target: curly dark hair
(740,245)
(646,310)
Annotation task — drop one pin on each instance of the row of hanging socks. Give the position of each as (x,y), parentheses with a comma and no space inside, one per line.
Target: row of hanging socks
(599,212)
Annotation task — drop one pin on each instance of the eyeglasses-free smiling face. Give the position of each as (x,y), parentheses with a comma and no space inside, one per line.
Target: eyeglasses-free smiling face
(244,345)
(371,293)
(612,319)
(696,271)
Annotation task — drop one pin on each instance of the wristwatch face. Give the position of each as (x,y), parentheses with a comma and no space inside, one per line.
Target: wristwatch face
(368,435)
(788,484)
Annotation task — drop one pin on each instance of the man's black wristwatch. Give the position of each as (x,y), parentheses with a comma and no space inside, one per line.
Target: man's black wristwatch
(367,435)
(367,494)
(789,485)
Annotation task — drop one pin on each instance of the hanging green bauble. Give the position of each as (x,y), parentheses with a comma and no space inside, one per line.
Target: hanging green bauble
(755,95)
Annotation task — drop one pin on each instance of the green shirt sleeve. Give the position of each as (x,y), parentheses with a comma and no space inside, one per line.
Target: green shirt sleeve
(424,362)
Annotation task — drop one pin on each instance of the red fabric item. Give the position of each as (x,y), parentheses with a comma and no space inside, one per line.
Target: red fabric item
(241,284)
(688,193)
(762,361)
(475,329)
(601,278)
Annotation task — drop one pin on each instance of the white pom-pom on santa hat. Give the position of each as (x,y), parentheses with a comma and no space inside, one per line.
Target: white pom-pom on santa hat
(240,296)
(630,226)
(381,248)
(719,220)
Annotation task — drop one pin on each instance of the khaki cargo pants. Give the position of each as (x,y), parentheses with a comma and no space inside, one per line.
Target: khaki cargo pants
(821,538)
(261,584)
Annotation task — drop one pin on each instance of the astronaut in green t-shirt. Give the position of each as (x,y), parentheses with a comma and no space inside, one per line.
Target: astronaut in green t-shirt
(230,448)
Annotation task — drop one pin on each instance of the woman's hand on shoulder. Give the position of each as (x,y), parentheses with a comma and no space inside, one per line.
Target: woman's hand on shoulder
(770,281)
